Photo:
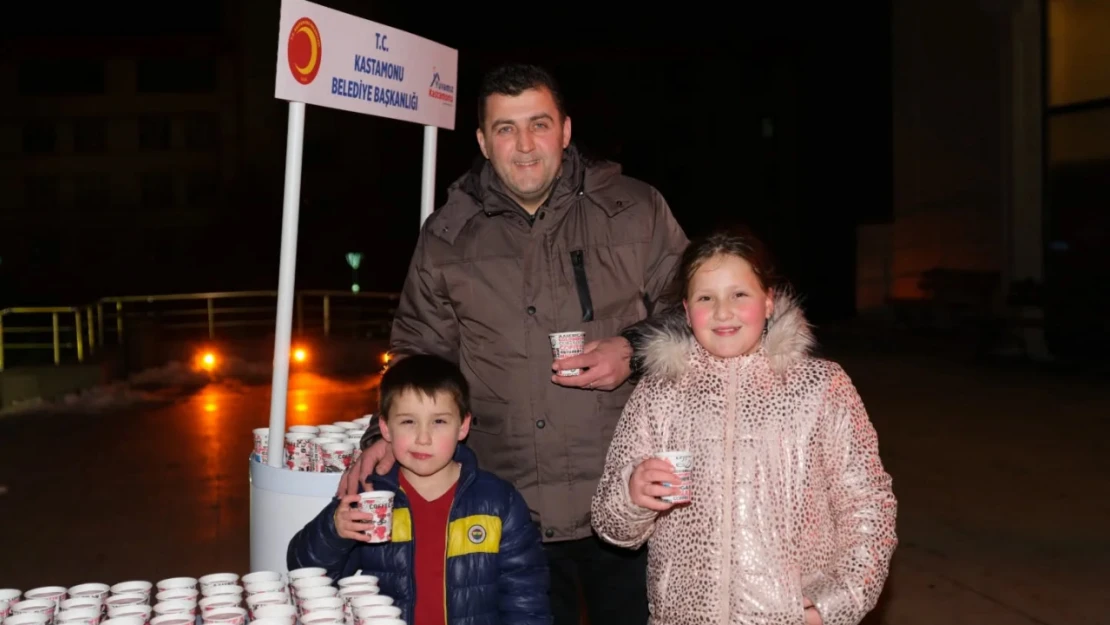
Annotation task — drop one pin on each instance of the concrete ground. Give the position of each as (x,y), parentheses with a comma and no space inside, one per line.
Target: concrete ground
(1002,477)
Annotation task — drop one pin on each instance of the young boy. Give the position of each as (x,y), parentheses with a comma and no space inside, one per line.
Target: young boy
(464,548)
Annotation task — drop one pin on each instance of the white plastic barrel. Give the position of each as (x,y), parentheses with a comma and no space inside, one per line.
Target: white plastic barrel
(282,502)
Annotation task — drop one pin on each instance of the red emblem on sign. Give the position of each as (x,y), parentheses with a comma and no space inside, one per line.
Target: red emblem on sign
(305,50)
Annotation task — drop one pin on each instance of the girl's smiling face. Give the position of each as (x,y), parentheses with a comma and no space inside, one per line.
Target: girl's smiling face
(727,306)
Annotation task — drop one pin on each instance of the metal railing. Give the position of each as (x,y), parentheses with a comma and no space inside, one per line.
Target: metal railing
(215,315)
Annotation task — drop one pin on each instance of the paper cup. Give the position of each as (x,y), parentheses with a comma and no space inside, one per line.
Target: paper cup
(298,451)
(347,425)
(127,598)
(80,616)
(176,606)
(565,344)
(357,580)
(78,603)
(11,595)
(336,457)
(260,576)
(27,618)
(188,594)
(322,604)
(97,591)
(261,444)
(53,593)
(308,594)
(683,463)
(135,586)
(367,600)
(143,611)
(125,620)
(261,600)
(177,582)
(331,429)
(323,617)
(372,614)
(173,619)
(258,588)
(226,616)
(226,589)
(363,421)
(305,583)
(304,429)
(380,504)
(308,571)
(45,607)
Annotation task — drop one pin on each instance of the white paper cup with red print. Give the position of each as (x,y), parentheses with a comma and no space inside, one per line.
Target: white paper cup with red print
(308,571)
(337,457)
(377,614)
(261,444)
(298,451)
(176,582)
(564,344)
(683,463)
(144,611)
(43,606)
(304,429)
(378,503)
(27,618)
(54,593)
(79,616)
(173,619)
(141,587)
(225,616)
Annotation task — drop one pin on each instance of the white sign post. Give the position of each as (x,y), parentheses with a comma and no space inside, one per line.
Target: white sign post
(335,60)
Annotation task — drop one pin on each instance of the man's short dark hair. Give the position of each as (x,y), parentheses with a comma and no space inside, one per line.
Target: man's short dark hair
(425,374)
(512,80)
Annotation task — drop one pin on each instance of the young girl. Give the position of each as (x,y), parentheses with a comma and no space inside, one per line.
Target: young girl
(791,514)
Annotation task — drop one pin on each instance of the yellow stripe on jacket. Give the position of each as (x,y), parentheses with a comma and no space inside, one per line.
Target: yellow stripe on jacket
(479,533)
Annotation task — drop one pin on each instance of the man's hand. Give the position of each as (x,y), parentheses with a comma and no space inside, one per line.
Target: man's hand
(377,457)
(606,365)
(645,484)
(349,522)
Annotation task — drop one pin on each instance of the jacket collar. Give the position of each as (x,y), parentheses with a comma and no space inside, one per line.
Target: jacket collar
(670,349)
(480,191)
(463,455)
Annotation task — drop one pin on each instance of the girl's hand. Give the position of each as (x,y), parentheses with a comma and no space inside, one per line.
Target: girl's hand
(813,617)
(644,487)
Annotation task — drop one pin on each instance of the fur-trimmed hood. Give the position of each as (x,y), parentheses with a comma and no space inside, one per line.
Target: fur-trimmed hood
(669,346)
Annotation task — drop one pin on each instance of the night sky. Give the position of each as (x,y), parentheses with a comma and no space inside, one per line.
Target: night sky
(777,118)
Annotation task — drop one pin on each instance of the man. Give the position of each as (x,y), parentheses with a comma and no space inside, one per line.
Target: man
(537,240)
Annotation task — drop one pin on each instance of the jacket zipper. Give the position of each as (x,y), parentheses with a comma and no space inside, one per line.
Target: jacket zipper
(726,594)
(582,285)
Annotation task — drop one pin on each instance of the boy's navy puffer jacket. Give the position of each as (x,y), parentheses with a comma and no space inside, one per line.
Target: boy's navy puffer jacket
(496,572)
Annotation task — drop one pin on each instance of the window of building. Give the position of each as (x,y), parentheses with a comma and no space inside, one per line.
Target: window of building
(154,133)
(180,75)
(202,188)
(61,77)
(89,135)
(39,138)
(202,131)
(41,192)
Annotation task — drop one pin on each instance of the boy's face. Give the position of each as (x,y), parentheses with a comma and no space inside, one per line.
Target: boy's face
(424,431)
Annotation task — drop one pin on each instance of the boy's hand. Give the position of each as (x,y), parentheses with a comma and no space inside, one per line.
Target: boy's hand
(377,458)
(349,522)
(644,488)
(813,617)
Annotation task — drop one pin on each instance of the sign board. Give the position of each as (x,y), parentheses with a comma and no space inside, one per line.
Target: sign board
(335,60)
